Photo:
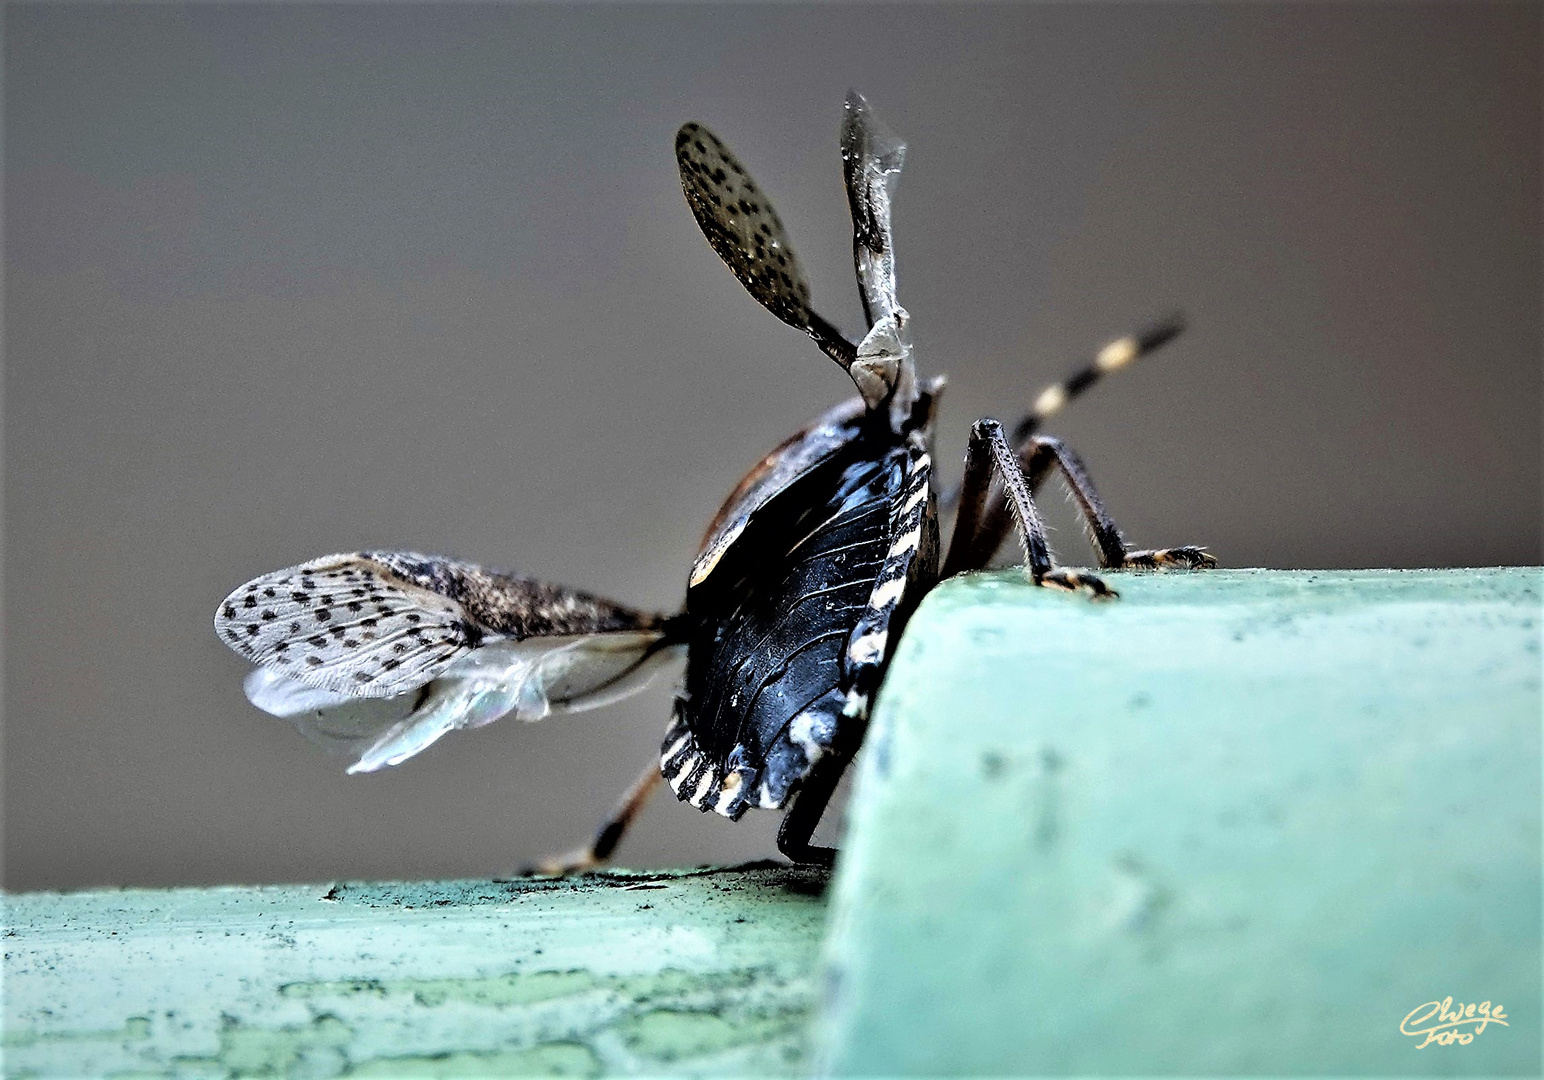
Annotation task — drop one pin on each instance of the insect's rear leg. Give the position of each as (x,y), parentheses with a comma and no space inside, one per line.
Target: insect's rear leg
(1041,454)
(599,850)
(988,457)
(800,820)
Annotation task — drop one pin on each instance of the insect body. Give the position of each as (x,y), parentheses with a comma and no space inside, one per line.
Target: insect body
(794,603)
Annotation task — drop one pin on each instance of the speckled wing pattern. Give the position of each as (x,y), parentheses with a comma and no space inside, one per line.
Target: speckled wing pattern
(382,652)
(741,225)
(352,624)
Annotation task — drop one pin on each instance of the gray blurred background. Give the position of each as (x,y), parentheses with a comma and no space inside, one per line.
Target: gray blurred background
(288,280)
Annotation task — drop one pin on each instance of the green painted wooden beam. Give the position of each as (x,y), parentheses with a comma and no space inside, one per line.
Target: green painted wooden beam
(675,973)
(1236,823)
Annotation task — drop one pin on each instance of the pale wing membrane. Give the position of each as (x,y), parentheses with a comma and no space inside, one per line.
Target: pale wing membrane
(333,721)
(872,157)
(527,679)
(347,624)
(741,225)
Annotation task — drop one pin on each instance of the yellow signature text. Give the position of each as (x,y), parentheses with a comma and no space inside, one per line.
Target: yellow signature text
(1448,1023)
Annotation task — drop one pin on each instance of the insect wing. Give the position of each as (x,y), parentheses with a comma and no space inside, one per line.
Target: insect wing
(872,157)
(347,624)
(740,224)
(600,669)
(382,653)
(801,453)
(333,721)
(526,679)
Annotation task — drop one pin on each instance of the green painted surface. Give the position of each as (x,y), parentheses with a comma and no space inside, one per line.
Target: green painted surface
(1234,823)
(1239,822)
(671,973)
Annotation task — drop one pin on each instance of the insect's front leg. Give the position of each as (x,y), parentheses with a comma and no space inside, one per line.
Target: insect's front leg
(977,533)
(1041,454)
(599,850)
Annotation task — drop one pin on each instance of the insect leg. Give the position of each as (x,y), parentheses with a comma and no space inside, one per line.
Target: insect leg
(1038,456)
(600,849)
(1114,356)
(988,457)
(798,827)
(1042,453)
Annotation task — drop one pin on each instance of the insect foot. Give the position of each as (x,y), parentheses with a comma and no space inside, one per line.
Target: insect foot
(1188,557)
(1077,581)
(581,861)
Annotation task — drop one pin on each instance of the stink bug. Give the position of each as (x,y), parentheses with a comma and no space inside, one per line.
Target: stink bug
(794,603)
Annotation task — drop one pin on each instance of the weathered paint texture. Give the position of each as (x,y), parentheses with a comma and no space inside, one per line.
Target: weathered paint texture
(679,972)
(1234,823)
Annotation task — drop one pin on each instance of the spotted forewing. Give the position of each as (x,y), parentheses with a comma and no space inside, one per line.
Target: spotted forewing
(381,653)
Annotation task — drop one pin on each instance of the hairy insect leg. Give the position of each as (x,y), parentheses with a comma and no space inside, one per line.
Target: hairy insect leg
(987,457)
(600,849)
(809,805)
(1038,456)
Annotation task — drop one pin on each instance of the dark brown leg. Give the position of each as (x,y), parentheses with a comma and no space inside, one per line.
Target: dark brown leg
(988,458)
(1117,354)
(1038,456)
(610,832)
(799,821)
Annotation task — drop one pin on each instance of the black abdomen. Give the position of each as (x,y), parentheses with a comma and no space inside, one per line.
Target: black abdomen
(770,634)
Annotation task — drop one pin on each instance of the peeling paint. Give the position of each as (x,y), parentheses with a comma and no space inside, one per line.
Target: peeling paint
(714,976)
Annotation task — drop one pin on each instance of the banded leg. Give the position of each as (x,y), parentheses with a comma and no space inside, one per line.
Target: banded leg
(1117,354)
(610,833)
(1038,456)
(988,457)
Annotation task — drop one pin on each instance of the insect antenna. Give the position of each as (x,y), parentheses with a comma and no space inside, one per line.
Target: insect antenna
(1116,355)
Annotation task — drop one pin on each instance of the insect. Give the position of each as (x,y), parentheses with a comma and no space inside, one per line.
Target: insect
(796,598)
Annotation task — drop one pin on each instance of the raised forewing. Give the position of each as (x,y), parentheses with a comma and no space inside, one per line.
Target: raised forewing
(871,159)
(740,224)
(872,156)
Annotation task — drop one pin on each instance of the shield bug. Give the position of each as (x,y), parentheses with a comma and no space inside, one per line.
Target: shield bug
(796,598)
